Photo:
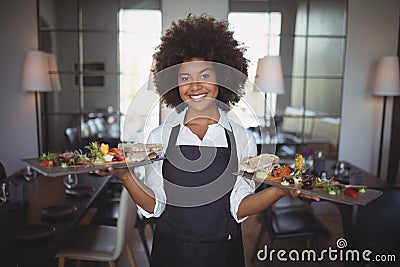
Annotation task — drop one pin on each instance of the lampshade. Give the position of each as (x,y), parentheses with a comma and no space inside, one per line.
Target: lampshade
(53,72)
(387,77)
(35,77)
(269,75)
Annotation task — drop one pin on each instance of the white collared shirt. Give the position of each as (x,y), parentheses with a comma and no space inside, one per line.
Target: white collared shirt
(215,136)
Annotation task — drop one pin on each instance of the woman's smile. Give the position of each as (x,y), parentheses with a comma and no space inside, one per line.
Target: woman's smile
(198,98)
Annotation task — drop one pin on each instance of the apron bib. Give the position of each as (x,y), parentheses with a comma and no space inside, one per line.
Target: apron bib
(197,229)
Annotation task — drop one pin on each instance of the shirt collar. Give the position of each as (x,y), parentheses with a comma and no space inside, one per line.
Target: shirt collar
(180,117)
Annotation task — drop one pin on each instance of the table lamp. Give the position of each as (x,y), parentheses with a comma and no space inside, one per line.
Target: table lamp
(386,83)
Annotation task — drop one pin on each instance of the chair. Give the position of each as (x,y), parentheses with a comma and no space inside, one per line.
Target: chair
(3,174)
(376,225)
(103,243)
(107,212)
(289,220)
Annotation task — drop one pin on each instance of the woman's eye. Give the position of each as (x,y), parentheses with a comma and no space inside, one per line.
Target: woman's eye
(185,78)
(205,76)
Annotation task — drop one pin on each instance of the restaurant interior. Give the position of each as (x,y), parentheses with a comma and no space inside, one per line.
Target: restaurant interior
(78,71)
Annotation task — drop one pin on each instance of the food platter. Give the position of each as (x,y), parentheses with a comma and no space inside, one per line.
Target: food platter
(62,171)
(362,198)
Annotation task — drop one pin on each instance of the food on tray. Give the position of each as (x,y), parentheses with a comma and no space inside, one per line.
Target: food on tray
(299,178)
(139,152)
(96,155)
(100,154)
(262,162)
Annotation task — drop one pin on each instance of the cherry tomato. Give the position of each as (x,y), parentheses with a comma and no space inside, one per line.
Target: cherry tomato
(47,163)
(351,192)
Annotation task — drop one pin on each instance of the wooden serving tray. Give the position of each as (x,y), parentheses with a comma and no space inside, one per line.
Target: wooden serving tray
(362,199)
(60,171)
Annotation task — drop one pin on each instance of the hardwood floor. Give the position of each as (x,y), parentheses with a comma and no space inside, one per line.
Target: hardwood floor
(325,211)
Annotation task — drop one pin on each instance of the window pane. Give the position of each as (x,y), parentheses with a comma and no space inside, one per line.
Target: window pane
(260,33)
(96,48)
(56,14)
(65,49)
(100,91)
(99,15)
(299,53)
(325,56)
(140,34)
(297,93)
(323,95)
(65,100)
(327,17)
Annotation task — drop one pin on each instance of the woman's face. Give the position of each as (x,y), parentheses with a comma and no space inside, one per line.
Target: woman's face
(197,83)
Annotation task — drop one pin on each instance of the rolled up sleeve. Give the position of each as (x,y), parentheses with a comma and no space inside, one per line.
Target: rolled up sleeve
(154,180)
(243,187)
(246,146)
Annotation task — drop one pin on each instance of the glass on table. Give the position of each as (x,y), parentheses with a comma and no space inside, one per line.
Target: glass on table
(70,180)
(3,193)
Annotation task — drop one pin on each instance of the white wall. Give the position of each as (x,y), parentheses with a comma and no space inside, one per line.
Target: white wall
(373,28)
(17,108)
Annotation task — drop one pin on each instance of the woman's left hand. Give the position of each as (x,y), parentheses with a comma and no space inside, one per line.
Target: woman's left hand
(298,193)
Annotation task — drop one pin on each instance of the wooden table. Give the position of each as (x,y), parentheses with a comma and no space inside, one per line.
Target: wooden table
(42,192)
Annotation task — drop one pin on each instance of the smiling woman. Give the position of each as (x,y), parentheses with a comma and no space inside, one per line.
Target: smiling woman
(200,202)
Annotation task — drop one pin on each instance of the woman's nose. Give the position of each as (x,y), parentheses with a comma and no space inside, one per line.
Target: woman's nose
(194,86)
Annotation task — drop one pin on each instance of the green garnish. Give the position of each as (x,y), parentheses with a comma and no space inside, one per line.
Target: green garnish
(64,165)
(94,152)
(285,183)
(48,156)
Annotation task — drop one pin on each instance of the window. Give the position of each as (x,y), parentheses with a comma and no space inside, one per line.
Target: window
(140,33)
(310,37)
(262,40)
(96,44)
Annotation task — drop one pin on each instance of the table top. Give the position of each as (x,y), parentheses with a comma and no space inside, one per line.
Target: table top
(356,175)
(42,192)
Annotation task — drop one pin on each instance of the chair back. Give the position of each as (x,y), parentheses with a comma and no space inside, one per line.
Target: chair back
(126,221)
(380,219)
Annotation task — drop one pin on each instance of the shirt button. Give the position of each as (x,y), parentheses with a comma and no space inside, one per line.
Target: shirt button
(229,237)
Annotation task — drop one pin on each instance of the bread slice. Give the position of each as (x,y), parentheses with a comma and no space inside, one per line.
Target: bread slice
(260,162)
(140,156)
(135,152)
(140,147)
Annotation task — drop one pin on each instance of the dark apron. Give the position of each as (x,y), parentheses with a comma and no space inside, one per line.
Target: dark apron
(197,229)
